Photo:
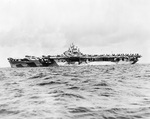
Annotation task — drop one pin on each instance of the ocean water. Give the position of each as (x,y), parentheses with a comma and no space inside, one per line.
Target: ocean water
(86,92)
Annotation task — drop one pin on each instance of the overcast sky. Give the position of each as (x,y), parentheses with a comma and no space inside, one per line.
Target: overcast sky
(43,27)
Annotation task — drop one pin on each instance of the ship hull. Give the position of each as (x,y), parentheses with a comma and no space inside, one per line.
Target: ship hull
(55,63)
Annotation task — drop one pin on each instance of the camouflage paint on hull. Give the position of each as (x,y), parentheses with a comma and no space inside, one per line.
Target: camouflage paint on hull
(33,63)
(68,62)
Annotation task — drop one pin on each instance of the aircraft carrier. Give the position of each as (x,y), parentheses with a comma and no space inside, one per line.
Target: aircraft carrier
(73,57)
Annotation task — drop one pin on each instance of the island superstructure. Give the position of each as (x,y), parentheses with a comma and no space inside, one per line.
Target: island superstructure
(73,56)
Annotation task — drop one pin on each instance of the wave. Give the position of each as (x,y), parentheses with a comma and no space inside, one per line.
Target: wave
(88,92)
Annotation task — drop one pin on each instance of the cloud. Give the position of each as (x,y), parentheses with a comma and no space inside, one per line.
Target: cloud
(50,26)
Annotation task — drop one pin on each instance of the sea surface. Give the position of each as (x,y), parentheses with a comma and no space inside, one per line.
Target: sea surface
(76,92)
